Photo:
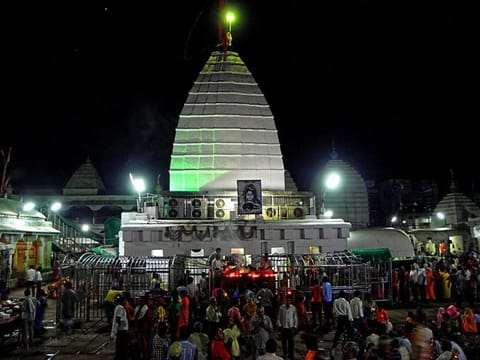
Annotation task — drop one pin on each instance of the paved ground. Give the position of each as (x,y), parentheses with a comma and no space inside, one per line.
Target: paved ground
(91,340)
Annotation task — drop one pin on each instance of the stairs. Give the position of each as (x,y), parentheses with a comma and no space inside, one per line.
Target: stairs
(72,239)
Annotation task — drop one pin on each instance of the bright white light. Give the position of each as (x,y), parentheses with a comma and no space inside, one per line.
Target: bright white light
(85,227)
(441,215)
(29,206)
(56,206)
(394,219)
(332,181)
(329,213)
(138,183)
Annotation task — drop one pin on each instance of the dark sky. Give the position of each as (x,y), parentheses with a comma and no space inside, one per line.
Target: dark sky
(394,84)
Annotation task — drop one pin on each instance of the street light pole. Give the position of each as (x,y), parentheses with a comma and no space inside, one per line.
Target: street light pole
(332,181)
(139,186)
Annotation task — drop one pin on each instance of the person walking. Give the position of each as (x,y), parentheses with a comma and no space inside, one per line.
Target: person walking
(356,306)
(261,327)
(327,301)
(40,311)
(160,343)
(38,279)
(28,318)
(288,323)
(343,313)
(68,300)
(316,304)
(30,279)
(119,330)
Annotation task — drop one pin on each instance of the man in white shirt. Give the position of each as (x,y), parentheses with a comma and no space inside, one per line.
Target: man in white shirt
(38,278)
(120,329)
(343,313)
(356,304)
(30,279)
(288,322)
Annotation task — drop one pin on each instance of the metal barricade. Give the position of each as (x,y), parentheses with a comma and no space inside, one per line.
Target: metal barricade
(92,277)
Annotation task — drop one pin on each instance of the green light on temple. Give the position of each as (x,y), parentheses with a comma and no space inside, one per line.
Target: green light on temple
(193,180)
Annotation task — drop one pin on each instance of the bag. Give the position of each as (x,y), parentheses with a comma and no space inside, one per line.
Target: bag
(469,325)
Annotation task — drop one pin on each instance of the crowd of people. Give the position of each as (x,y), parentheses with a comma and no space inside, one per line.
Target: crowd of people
(241,323)
(193,323)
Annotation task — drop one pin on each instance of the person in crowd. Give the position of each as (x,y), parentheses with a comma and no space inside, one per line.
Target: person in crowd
(155,283)
(234,311)
(30,279)
(28,313)
(301,309)
(270,351)
(316,304)
(218,263)
(160,343)
(203,283)
(422,282)
(4,290)
(429,285)
(265,298)
(109,303)
(413,278)
(38,279)
(193,294)
(213,316)
(446,350)
(343,314)
(218,350)
(350,350)
(200,340)
(189,350)
(119,330)
(294,282)
(356,306)
(382,319)
(311,342)
(231,334)
(184,316)
(261,327)
(174,314)
(287,321)
(40,311)
(68,300)
(327,301)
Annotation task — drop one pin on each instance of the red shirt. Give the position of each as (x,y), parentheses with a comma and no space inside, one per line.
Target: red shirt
(316,293)
(382,316)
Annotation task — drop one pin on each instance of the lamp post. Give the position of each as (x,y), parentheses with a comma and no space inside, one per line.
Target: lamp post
(441,216)
(46,209)
(393,220)
(139,186)
(331,183)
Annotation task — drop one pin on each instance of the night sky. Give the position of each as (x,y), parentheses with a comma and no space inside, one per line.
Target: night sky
(394,84)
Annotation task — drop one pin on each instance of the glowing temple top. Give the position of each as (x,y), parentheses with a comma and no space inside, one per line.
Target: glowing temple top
(226,132)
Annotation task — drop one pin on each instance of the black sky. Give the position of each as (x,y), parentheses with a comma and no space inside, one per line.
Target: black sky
(394,84)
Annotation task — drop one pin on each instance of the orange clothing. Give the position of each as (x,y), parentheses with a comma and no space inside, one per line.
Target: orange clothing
(184,313)
(429,288)
(310,355)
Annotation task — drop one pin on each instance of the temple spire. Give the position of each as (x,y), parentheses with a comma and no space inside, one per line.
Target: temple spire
(333,154)
(453,185)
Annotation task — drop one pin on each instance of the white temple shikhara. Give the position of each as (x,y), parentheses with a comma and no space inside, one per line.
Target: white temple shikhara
(226,137)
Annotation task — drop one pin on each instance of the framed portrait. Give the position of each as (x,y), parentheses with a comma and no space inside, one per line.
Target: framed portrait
(249,197)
